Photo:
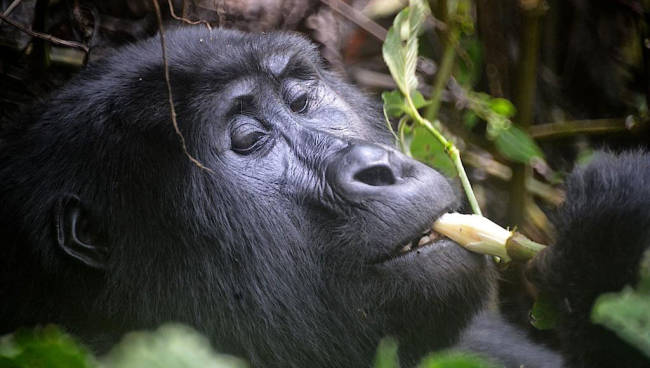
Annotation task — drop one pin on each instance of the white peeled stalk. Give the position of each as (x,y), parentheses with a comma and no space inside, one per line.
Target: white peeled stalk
(478,234)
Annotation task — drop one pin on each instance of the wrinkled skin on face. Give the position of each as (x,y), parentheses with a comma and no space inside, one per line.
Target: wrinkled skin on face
(286,251)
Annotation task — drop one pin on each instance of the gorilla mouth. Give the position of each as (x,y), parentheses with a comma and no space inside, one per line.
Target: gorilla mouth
(425,239)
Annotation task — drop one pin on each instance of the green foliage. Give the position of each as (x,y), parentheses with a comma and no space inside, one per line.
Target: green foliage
(509,140)
(544,315)
(627,313)
(430,151)
(394,105)
(502,107)
(43,347)
(469,67)
(455,360)
(400,52)
(171,346)
(387,357)
(400,49)
(517,145)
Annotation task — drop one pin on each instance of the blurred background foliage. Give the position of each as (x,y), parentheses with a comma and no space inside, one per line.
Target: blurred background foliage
(170,346)
(526,89)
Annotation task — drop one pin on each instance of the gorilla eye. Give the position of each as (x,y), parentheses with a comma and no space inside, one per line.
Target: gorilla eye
(300,104)
(247,138)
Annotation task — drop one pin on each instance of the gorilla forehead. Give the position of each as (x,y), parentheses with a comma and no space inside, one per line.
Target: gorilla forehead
(221,55)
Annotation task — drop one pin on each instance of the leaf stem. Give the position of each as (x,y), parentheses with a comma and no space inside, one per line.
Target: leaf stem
(451,150)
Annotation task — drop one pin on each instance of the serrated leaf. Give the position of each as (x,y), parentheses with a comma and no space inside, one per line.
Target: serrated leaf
(429,150)
(517,146)
(503,107)
(400,49)
(393,103)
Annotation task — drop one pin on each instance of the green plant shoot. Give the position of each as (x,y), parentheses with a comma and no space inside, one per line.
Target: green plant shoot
(400,51)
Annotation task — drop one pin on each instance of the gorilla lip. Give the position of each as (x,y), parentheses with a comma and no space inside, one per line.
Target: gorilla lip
(427,238)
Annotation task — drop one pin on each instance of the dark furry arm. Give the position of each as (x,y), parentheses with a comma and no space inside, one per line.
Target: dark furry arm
(603,230)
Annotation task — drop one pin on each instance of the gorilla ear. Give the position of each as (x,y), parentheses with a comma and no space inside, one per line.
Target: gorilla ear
(75,233)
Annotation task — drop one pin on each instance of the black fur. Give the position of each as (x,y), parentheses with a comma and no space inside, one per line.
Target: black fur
(281,252)
(603,230)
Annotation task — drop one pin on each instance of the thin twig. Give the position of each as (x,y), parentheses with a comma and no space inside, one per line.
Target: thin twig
(45,36)
(358,18)
(570,128)
(185,20)
(11,7)
(172,110)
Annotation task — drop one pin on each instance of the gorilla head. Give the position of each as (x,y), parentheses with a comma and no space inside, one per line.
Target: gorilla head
(289,250)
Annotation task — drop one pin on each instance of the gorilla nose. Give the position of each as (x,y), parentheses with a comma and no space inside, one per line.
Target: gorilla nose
(376,175)
(364,168)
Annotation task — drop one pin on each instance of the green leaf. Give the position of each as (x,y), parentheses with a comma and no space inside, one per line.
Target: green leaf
(517,145)
(387,354)
(503,107)
(544,314)
(429,150)
(470,119)
(454,360)
(418,100)
(393,103)
(469,67)
(170,346)
(400,49)
(43,347)
(627,314)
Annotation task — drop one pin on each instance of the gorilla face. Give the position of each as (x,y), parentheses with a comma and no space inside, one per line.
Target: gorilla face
(290,248)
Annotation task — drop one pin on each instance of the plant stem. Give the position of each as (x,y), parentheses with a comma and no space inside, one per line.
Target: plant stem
(455,157)
(443,74)
(521,249)
(451,150)
(525,102)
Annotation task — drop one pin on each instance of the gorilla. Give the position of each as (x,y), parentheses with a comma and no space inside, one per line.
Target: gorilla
(295,241)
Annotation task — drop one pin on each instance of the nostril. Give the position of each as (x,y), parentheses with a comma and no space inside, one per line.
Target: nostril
(377,175)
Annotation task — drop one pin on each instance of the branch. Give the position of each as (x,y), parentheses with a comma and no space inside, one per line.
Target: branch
(569,128)
(172,110)
(185,20)
(45,36)
(358,18)
(11,8)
